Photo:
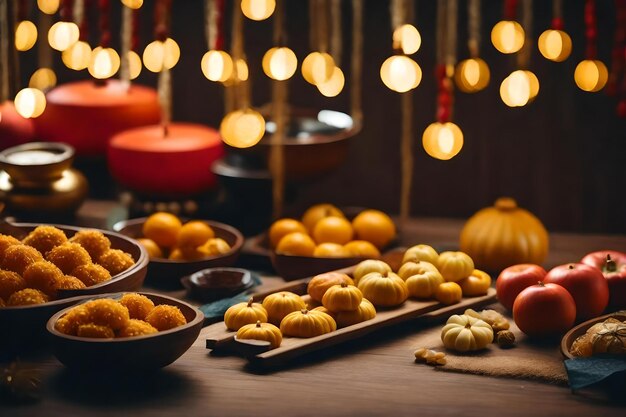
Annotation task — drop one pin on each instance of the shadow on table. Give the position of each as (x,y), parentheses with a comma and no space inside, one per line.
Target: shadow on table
(126,389)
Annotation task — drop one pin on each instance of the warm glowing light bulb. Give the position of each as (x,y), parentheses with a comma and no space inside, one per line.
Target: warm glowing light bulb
(280,63)
(442,140)
(519,88)
(217,65)
(161,55)
(591,75)
(133,4)
(25,35)
(48,6)
(334,85)
(134,64)
(317,67)
(242,128)
(407,38)
(104,63)
(77,56)
(43,79)
(242,69)
(555,45)
(258,9)
(472,75)
(30,102)
(533,83)
(62,35)
(507,36)
(400,73)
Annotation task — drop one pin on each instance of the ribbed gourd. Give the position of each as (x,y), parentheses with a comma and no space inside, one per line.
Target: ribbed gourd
(504,235)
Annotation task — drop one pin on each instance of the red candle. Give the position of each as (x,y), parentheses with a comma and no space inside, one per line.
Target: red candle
(14,129)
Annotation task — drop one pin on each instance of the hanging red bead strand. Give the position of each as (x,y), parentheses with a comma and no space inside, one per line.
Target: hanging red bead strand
(105,23)
(591,29)
(444,96)
(617,53)
(22,10)
(510,9)
(66,10)
(161,20)
(219,39)
(134,37)
(557,15)
(84,24)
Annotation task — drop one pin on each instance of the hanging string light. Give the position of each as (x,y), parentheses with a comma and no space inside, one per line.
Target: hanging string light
(30,102)
(280,62)
(48,7)
(130,66)
(65,33)
(133,4)
(104,61)
(43,79)
(77,56)
(443,139)
(334,85)
(25,31)
(555,44)
(318,66)
(591,74)
(163,53)
(216,64)
(472,74)
(507,35)
(258,9)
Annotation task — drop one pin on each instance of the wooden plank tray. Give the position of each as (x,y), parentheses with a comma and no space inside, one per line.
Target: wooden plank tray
(219,339)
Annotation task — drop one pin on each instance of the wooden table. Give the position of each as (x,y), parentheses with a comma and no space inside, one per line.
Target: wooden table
(371,376)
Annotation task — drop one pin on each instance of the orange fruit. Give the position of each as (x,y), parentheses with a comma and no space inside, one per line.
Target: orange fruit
(374,226)
(296,243)
(330,250)
(214,247)
(176,255)
(361,249)
(154,251)
(333,229)
(193,234)
(162,228)
(317,212)
(283,227)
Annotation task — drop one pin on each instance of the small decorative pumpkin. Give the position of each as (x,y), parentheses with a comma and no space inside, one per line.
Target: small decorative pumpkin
(307,323)
(261,331)
(449,293)
(279,304)
(342,297)
(241,314)
(384,290)
(476,284)
(415,268)
(325,310)
(504,235)
(366,311)
(424,285)
(464,333)
(454,266)
(367,266)
(322,282)
(421,253)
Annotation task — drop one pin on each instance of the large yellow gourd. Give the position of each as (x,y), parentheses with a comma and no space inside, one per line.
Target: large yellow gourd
(504,235)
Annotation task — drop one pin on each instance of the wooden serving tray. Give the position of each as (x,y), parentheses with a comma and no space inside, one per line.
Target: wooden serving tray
(220,339)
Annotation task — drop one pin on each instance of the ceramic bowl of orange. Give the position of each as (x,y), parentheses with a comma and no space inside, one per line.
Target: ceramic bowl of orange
(24,326)
(168,272)
(145,352)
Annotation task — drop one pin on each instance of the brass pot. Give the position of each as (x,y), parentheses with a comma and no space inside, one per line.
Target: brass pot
(37,179)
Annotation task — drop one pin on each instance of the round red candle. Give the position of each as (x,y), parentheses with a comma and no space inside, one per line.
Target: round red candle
(86,115)
(14,129)
(147,161)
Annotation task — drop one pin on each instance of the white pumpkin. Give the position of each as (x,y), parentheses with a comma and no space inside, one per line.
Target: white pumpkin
(464,333)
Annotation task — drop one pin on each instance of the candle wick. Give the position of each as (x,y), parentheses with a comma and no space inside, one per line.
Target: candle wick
(166,131)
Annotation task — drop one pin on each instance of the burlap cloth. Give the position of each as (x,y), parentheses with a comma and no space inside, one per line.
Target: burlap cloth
(526,360)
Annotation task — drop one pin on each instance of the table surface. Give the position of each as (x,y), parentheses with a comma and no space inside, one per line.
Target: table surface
(375,375)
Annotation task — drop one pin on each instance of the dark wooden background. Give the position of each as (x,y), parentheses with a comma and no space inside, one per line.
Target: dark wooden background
(561,157)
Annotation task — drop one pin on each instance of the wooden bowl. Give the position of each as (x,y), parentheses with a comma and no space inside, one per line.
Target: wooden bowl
(166,272)
(127,353)
(574,333)
(24,325)
(215,283)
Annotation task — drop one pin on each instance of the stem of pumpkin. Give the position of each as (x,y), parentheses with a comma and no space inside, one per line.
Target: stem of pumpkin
(304,311)
(250,301)
(258,324)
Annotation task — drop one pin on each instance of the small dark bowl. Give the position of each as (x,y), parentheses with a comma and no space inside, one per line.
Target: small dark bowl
(167,273)
(574,333)
(21,326)
(216,283)
(147,352)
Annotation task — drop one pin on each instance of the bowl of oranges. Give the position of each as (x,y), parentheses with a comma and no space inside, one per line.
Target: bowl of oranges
(325,238)
(179,247)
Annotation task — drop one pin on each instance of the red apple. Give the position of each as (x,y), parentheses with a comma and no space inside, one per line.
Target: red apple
(587,286)
(613,267)
(544,310)
(515,279)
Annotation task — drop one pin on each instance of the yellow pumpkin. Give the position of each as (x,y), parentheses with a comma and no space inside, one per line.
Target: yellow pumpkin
(279,304)
(342,297)
(241,314)
(325,310)
(261,331)
(425,284)
(476,284)
(367,266)
(454,266)
(307,323)
(504,235)
(415,268)
(421,253)
(464,333)
(386,289)
(366,311)
(322,282)
(449,293)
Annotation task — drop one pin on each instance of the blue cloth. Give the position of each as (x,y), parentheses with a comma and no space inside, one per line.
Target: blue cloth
(584,372)
(216,309)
